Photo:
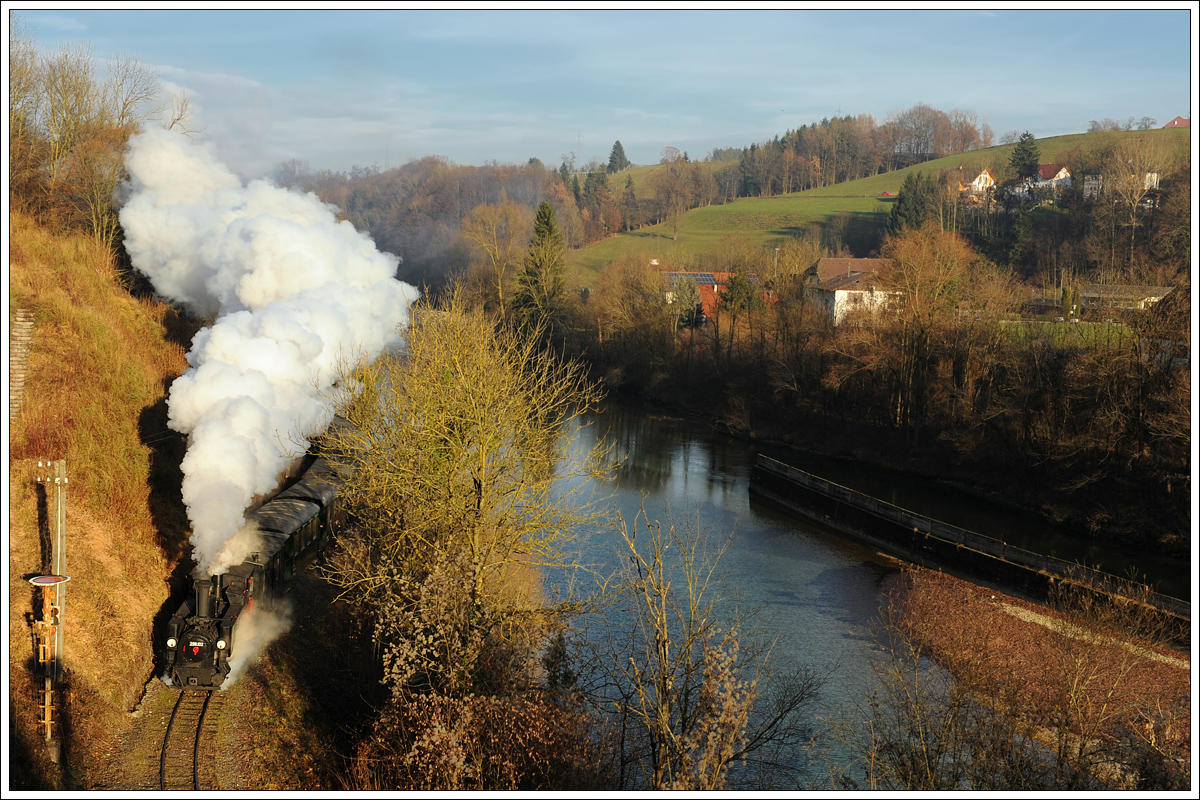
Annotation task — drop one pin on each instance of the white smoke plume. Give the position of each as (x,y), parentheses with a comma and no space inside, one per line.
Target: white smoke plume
(252,633)
(297,292)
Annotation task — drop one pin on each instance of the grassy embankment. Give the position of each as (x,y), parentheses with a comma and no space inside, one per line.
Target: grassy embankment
(95,396)
(857,209)
(101,364)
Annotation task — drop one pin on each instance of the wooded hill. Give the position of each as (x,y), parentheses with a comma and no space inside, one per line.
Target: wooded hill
(849,215)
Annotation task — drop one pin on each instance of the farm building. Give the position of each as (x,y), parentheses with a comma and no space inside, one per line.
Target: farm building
(1053,176)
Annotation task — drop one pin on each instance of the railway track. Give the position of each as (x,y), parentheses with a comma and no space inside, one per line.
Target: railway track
(183,764)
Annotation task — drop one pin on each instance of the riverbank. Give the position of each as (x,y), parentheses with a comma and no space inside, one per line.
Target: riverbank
(1095,682)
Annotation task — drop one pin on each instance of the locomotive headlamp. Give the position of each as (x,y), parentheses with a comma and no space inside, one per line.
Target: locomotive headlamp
(220,644)
(171,642)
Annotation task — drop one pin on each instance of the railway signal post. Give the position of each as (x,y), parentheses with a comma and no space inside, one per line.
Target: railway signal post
(49,630)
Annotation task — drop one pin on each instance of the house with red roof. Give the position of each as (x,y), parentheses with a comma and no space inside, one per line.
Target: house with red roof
(1179,122)
(1055,177)
(710,284)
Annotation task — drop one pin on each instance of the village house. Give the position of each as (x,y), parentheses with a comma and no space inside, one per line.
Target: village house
(1179,122)
(710,285)
(845,285)
(1093,185)
(979,186)
(1055,177)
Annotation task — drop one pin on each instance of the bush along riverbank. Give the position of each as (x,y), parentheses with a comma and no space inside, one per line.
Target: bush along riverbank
(1081,694)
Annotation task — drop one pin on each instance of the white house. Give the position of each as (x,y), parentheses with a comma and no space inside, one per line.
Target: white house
(845,285)
(976,188)
(1093,185)
(982,183)
(1056,177)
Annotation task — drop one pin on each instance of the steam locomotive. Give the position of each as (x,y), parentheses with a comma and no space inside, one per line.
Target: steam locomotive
(294,526)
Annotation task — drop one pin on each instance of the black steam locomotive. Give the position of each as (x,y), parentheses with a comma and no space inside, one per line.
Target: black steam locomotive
(294,526)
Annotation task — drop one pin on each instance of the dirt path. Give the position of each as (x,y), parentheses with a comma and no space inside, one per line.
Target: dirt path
(1067,629)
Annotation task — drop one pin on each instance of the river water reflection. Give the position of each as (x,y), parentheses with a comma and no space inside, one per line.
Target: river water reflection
(820,593)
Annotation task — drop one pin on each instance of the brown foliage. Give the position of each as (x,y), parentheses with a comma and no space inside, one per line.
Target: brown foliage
(432,741)
(1088,679)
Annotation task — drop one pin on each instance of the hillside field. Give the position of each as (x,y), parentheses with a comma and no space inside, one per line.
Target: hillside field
(857,210)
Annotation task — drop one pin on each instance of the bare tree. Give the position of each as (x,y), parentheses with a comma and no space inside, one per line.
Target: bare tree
(178,115)
(672,189)
(73,104)
(25,98)
(80,123)
(500,232)
(24,81)
(289,173)
(688,681)
(928,268)
(1132,171)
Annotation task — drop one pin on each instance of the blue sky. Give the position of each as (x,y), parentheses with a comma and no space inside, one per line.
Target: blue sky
(379,86)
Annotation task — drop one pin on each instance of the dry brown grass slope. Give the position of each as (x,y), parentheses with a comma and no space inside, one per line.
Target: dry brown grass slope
(95,395)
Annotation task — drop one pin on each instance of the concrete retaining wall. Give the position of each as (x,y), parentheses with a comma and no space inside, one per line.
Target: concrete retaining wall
(928,542)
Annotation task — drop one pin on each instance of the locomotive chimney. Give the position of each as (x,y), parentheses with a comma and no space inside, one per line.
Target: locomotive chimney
(203,596)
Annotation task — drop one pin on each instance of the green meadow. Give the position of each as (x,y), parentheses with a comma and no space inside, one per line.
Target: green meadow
(763,221)
(856,211)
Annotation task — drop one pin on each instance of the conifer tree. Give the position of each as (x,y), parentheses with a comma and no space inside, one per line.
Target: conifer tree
(1025,156)
(916,203)
(616,159)
(540,284)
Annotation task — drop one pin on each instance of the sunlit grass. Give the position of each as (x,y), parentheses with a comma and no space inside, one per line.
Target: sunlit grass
(858,209)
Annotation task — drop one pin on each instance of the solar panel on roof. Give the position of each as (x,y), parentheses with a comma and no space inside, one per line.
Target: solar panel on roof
(700,278)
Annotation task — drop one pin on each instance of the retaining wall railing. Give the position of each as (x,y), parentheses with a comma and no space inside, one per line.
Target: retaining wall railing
(996,548)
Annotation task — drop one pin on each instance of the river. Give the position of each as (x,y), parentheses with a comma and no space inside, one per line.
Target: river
(821,593)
